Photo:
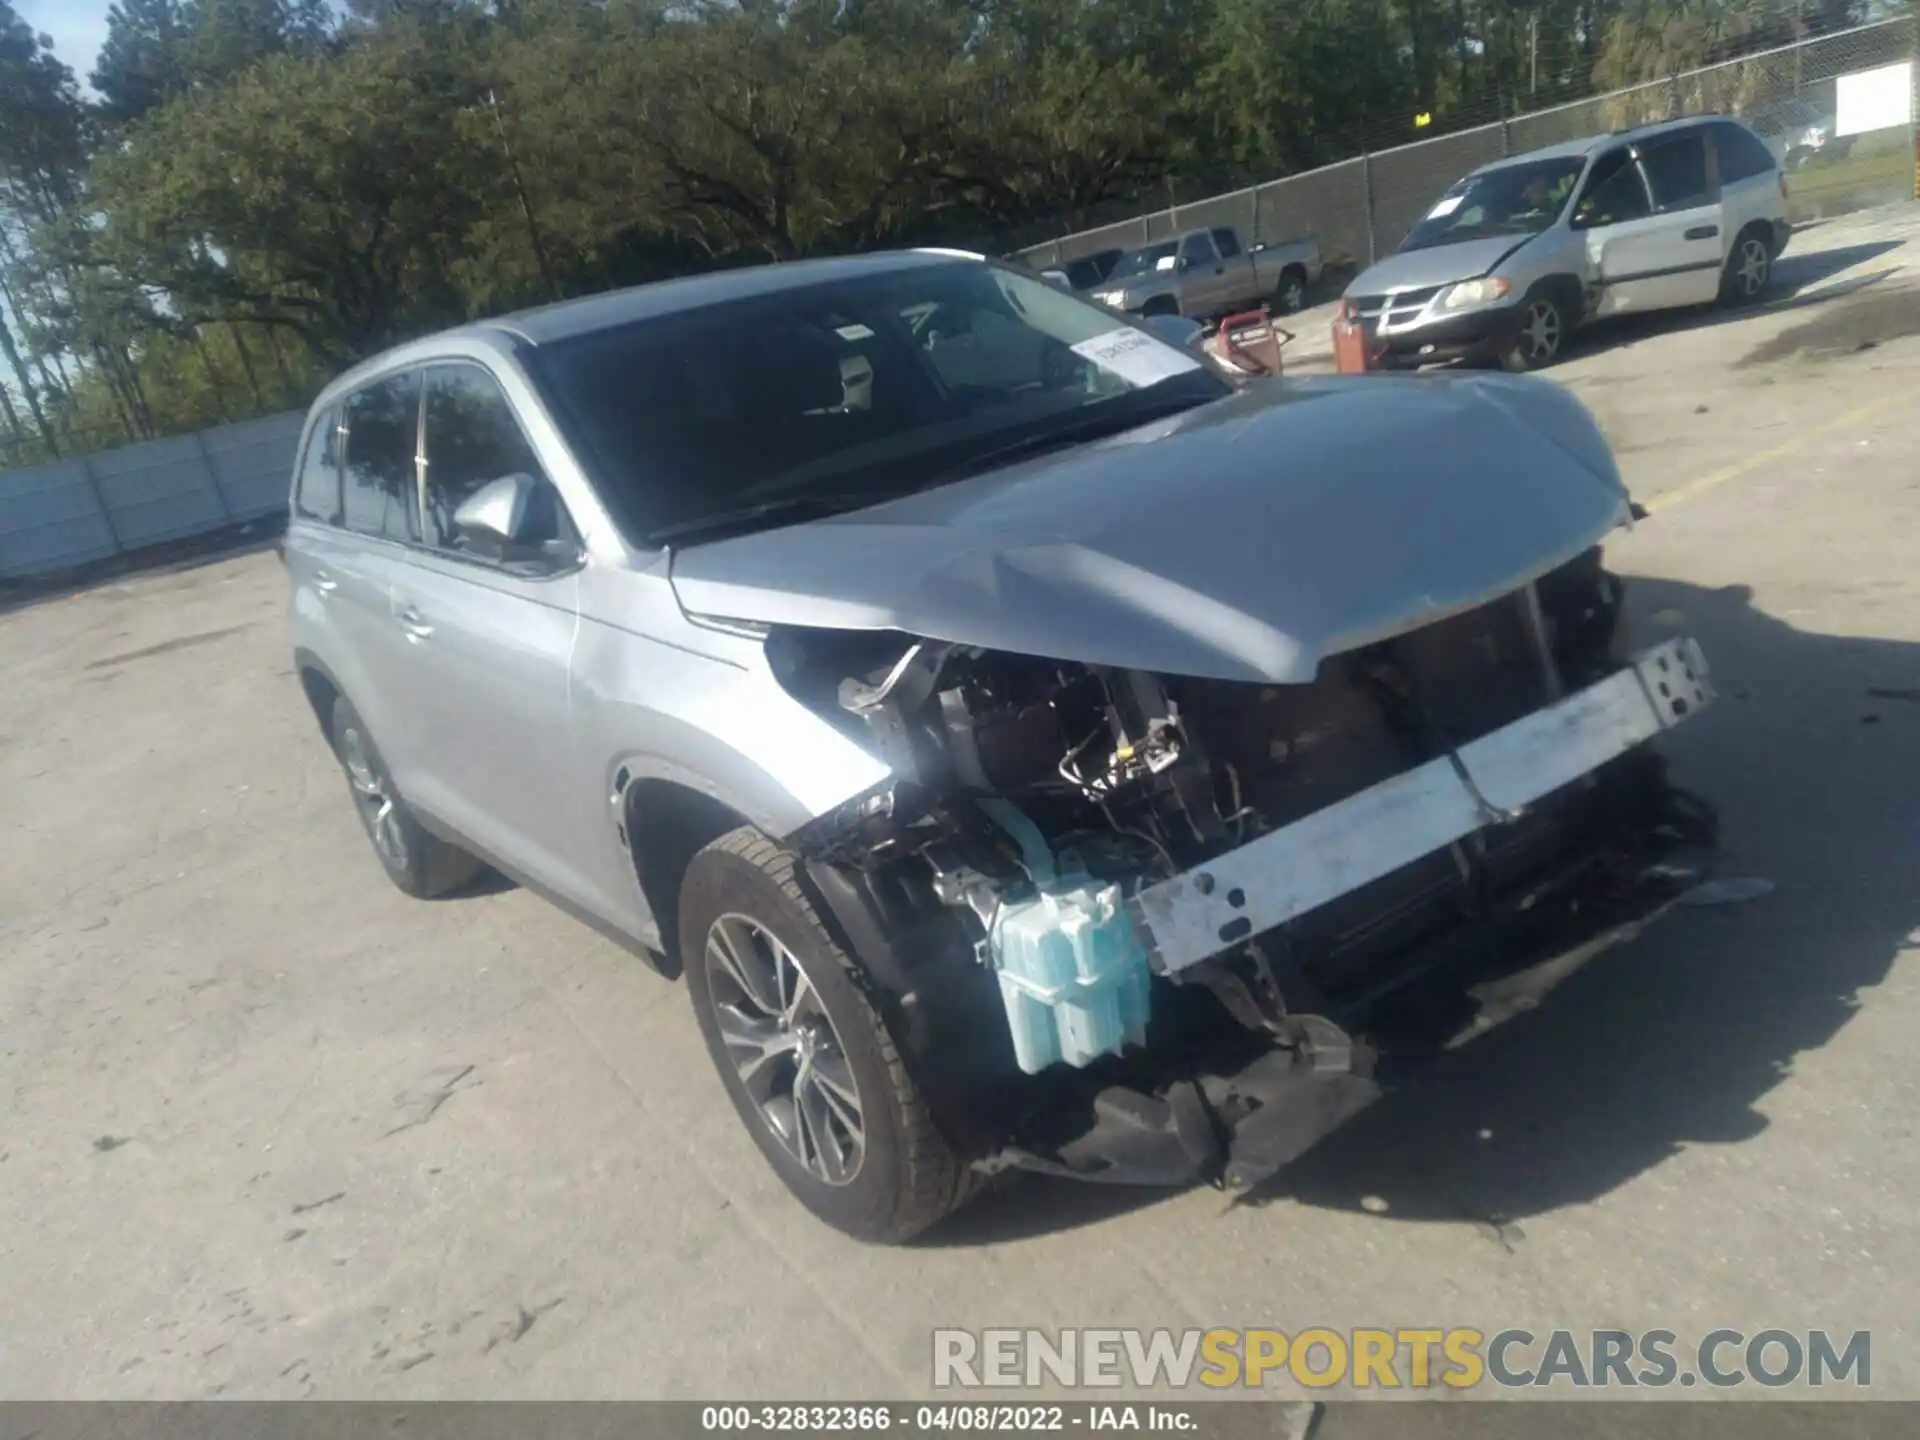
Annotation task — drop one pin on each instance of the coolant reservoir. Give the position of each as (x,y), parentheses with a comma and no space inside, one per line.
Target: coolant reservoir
(1073,973)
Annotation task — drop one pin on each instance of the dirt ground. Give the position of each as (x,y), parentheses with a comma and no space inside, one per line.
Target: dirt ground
(270,1129)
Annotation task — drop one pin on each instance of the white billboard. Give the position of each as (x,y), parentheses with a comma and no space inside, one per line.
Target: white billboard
(1874,99)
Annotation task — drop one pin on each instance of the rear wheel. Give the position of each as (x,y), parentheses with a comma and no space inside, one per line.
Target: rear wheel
(1543,328)
(421,864)
(1291,295)
(1749,269)
(804,1053)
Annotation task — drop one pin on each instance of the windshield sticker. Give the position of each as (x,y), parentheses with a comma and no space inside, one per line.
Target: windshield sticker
(1137,358)
(1445,208)
(854,332)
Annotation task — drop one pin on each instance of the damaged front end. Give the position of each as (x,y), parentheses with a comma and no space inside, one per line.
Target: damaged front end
(1149,928)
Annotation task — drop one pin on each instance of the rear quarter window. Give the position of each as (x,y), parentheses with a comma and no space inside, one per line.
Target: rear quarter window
(1742,153)
(316,492)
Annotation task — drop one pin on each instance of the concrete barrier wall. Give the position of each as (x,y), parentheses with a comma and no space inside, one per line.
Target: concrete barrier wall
(53,517)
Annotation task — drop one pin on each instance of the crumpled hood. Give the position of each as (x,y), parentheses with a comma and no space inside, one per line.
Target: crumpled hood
(1244,540)
(1437,265)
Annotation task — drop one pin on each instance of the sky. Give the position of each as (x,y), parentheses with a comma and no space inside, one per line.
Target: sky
(77,28)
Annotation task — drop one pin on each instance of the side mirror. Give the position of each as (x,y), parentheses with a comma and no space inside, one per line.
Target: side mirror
(497,512)
(1176,330)
(1057,278)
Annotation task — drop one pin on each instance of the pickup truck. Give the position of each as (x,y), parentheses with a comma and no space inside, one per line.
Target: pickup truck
(1205,274)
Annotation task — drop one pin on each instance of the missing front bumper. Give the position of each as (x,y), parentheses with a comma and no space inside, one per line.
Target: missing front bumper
(1281,876)
(1240,1116)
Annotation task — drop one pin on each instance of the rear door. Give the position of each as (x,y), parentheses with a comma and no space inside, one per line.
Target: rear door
(1651,215)
(378,521)
(489,638)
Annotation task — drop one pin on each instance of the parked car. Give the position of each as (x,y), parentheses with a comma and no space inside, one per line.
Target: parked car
(1031,749)
(1798,129)
(1205,274)
(1088,271)
(1521,251)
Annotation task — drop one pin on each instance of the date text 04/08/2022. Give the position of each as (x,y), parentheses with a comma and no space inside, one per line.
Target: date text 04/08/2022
(980,1417)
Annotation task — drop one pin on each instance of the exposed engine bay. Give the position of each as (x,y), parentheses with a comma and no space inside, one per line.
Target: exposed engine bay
(1168,919)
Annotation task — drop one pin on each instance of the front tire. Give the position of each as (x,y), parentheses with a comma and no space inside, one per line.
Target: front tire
(421,864)
(804,1053)
(1543,330)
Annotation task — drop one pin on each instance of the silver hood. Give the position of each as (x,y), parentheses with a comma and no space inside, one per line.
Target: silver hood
(1435,265)
(1244,540)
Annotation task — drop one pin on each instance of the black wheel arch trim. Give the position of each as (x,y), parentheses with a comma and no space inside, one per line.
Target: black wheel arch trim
(921,971)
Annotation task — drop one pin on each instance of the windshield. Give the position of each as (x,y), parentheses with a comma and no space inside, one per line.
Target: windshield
(1520,199)
(848,392)
(1144,262)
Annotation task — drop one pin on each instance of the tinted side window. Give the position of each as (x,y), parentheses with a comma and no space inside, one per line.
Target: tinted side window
(1742,153)
(382,437)
(1228,242)
(1197,249)
(1614,192)
(1677,169)
(472,439)
(317,496)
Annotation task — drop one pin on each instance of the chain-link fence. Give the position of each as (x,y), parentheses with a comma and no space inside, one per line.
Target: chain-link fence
(1359,209)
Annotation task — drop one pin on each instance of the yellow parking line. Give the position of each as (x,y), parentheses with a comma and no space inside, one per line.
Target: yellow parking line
(1668,499)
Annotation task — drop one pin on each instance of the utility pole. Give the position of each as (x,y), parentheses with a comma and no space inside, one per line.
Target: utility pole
(1533,52)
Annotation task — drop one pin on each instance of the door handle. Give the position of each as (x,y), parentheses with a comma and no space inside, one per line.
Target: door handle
(1703,232)
(324,583)
(415,624)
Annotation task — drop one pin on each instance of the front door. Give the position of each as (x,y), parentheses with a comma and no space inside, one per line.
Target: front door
(1652,221)
(1205,285)
(490,634)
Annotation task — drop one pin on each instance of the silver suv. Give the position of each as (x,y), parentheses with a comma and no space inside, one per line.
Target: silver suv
(1033,747)
(1521,251)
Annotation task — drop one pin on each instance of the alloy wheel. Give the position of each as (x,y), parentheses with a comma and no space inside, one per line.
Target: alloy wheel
(1541,333)
(785,1048)
(374,796)
(1751,266)
(1293,295)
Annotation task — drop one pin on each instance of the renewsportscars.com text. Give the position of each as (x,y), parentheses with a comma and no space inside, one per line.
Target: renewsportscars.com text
(1383,1359)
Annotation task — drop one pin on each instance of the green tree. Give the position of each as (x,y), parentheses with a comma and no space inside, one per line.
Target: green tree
(43,139)
(144,62)
(333,197)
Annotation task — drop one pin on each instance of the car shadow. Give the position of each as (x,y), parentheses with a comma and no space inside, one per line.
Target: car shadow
(173,557)
(1798,282)
(1674,1039)
(1021,1207)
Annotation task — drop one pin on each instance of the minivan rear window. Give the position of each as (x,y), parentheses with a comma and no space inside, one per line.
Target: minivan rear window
(1742,153)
